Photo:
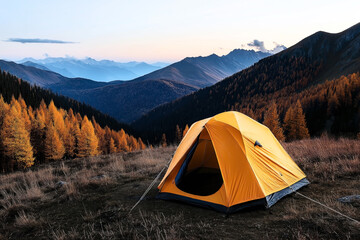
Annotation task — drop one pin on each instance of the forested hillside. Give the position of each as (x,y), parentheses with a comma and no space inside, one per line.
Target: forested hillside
(48,133)
(38,126)
(314,71)
(11,85)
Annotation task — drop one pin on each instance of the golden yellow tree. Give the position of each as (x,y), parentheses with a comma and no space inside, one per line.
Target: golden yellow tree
(185,130)
(121,141)
(24,113)
(271,120)
(112,147)
(132,143)
(141,144)
(302,130)
(100,133)
(88,142)
(56,118)
(54,148)
(16,140)
(295,123)
(4,109)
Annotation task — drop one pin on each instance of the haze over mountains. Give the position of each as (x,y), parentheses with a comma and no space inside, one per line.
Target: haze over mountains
(298,72)
(104,70)
(127,101)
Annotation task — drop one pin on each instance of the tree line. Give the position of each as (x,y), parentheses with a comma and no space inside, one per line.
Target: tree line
(330,106)
(32,136)
(33,95)
(293,127)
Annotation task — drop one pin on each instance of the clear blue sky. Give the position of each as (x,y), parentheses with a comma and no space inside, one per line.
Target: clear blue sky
(162,30)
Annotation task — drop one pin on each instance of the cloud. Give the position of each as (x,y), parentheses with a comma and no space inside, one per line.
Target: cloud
(260,46)
(277,48)
(37,40)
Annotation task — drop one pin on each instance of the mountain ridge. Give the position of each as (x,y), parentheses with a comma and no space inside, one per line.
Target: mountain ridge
(203,71)
(102,70)
(319,57)
(122,99)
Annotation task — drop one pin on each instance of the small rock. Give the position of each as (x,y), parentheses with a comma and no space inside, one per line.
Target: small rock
(349,199)
(59,184)
(99,176)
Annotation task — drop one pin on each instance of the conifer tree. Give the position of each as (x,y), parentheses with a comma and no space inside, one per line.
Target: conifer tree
(178,134)
(163,140)
(295,123)
(74,132)
(112,147)
(185,130)
(24,113)
(132,143)
(302,130)
(88,142)
(100,133)
(54,147)
(106,140)
(290,125)
(271,120)
(37,135)
(56,118)
(122,141)
(4,109)
(141,144)
(16,140)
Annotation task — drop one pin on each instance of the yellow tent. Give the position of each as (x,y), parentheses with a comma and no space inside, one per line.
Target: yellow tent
(229,162)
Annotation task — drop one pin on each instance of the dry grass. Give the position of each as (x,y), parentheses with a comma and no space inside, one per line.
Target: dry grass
(325,159)
(96,193)
(26,220)
(67,180)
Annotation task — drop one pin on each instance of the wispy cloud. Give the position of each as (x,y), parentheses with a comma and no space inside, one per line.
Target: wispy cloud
(260,46)
(37,40)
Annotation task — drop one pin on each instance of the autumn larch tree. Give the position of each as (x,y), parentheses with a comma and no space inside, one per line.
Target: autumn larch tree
(72,135)
(295,123)
(54,147)
(271,120)
(121,140)
(163,140)
(37,135)
(141,143)
(88,142)
(112,147)
(178,134)
(4,109)
(185,130)
(16,140)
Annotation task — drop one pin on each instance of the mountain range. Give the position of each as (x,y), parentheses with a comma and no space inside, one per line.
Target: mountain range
(129,100)
(104,70)
(205,71)
(314,71)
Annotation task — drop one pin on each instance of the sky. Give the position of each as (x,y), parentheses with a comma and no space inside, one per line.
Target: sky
(162,30)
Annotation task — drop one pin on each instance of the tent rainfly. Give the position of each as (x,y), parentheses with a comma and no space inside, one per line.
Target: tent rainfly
(229,162)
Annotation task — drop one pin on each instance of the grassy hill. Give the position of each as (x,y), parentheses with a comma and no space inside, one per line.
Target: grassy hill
(91,198)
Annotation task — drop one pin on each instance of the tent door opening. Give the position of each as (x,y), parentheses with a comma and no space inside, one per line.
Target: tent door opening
(200,173)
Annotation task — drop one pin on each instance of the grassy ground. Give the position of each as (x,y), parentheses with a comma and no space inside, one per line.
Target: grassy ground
(90,199)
